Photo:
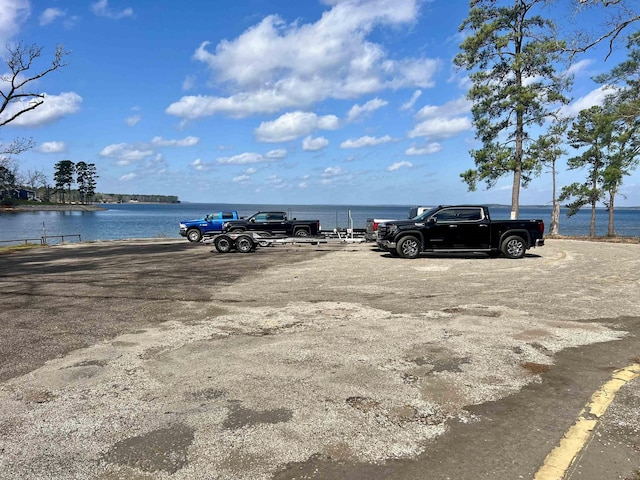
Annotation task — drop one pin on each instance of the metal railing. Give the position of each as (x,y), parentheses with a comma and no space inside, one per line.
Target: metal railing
(44,240)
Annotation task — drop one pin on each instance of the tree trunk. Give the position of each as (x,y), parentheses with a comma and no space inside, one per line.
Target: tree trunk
(611,232)
(555,211)
(592,225)
(555,219)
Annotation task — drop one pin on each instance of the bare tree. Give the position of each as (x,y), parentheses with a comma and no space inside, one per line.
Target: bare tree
(618,15)
(17,98)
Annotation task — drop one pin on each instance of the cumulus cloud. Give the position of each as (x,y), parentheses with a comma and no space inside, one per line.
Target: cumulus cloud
(293,125)
(13,13)
(310,144)
(274,66)
(52,147)
(185,142)
(428,149)
(251,157)
(101,9)
(439,127)
(366,141)
(53,108)
(399,165)
(593,98)
(241,179)
(126,154)
(200,166)
(50,15)
(459,106)
(358,111)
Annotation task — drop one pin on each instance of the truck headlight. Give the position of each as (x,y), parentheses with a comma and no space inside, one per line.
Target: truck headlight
(182,225)
(225,225)
(393,229)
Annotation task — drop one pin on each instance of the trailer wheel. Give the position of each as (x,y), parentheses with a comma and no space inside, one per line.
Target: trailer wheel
(408,247)
(223,244)
(244,244)
(514,247)
(194,235)
(301,232)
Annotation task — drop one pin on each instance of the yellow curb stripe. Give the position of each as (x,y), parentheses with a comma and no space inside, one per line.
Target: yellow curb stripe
(559,460)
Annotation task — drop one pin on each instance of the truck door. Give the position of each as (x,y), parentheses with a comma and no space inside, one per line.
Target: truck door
(460,228)
(277,222)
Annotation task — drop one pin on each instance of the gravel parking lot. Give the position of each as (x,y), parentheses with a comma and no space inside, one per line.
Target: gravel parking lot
(163,359)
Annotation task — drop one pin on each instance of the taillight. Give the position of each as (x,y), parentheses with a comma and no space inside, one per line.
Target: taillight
(541,227)
(375,226)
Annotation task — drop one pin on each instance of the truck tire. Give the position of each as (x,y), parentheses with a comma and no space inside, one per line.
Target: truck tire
(194,235)
(245,244)
(514,247)
(223,243)
(301,232)
(408,247)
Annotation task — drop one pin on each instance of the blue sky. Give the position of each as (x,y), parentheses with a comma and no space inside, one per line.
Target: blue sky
(350,102)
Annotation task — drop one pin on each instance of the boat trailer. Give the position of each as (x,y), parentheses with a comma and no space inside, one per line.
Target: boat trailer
(246,242)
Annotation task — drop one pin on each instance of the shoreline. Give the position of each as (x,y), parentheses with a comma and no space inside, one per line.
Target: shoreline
(61,207)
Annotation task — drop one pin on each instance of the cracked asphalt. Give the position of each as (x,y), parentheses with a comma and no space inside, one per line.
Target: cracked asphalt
(163,359)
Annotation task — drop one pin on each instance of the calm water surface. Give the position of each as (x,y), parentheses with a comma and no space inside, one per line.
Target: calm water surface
(126,221)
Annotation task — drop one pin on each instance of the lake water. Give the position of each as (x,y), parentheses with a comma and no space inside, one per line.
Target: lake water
(126,221)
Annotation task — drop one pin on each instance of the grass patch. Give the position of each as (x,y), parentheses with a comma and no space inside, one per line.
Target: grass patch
(17,248)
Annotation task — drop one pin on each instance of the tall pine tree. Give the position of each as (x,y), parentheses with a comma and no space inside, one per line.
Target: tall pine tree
(510,52)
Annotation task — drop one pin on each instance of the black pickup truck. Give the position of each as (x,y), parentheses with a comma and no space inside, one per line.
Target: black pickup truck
(460,228)
(274,223)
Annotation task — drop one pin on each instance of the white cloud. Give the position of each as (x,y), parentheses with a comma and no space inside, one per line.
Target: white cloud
(277,154)
(274,66)
(101,9)
(12,14)
(185,142)
(310,144)
(52,147)
(459,106)
(594,97)
(241,179)
(358,111)
(126,154)
(365,142)
(251,157)
(439,128)
(50,15)
(250,171)
(53,108)
(293,125)
(428,149)
(128,176)
(579,67)
(414,98)
(133,120)
(200,165)
(399,165)
(188,83)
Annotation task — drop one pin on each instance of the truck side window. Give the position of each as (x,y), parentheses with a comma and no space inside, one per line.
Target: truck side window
(227,216)
(448,215)
(261,217)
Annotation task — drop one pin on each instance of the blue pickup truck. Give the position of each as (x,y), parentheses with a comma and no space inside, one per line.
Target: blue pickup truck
(208,225)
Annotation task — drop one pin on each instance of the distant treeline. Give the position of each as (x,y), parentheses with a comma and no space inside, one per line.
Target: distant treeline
(130,198)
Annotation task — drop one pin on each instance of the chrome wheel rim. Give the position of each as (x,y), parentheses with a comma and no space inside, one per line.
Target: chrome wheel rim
(514,248)
(410,248)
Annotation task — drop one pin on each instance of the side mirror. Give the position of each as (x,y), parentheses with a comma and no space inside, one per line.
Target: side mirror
(253,220)
(432,220)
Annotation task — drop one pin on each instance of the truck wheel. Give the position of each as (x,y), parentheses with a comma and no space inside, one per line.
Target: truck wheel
(408,247)
(194,235)
(223,244)
(513,247)
(302,232)
(244,244)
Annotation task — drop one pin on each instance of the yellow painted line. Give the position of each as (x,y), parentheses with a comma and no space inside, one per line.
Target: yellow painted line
(557,463)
